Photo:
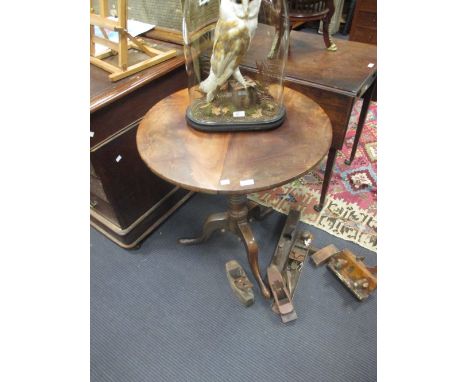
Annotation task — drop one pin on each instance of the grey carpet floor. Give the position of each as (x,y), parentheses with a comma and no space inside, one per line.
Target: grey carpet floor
(165,312)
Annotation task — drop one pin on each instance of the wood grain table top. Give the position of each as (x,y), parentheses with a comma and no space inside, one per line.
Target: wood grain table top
(345,71)
(234,162)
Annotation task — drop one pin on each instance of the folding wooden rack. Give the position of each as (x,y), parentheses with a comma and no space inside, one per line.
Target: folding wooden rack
(125,42)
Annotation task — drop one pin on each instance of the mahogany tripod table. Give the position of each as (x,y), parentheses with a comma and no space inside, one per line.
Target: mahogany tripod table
(234,164)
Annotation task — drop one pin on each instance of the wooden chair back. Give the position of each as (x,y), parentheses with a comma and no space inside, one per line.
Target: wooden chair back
(308,10)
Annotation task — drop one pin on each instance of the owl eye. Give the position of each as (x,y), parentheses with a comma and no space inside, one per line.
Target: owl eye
(238,1)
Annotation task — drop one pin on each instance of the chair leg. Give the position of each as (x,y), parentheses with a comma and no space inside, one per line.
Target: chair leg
(326,26)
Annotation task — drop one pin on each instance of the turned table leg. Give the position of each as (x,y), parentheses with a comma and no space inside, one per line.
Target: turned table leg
(326,179)
(234,220)
(362,119)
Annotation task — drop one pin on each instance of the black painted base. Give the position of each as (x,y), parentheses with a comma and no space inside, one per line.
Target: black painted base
(230,127)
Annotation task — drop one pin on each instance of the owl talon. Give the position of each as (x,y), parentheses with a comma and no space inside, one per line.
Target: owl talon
(210,96)
(250,83)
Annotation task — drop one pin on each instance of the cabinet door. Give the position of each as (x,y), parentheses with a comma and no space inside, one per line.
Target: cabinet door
(368,5)
(366,35)
(131,188)
(98,199)
(366,19)
(364,28)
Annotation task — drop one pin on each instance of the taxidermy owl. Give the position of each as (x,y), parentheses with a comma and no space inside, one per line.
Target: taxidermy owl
(235,29)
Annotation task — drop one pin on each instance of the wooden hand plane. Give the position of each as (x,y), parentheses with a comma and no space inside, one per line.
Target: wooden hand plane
(350,269)
(281,294)
(240,284)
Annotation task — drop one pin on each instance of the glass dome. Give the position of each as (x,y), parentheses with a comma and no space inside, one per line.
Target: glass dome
(235,53)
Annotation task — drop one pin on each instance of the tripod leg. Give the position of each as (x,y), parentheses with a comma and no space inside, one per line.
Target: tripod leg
(214,223)
(252,254)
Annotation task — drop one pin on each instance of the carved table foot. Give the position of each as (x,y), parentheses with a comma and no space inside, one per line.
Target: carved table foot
(235,221)
(214,223)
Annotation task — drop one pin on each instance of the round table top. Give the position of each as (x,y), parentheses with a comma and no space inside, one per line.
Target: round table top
(233,162)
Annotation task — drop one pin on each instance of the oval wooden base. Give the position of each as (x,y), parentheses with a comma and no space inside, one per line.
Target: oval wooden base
(231,127)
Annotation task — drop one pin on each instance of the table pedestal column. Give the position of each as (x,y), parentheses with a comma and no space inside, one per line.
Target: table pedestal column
(235,220)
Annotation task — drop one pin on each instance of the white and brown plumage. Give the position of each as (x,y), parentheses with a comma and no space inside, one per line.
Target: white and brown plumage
(236,26)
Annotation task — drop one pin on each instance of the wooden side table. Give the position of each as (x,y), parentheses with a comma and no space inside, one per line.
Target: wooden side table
(335,80)
(233,164)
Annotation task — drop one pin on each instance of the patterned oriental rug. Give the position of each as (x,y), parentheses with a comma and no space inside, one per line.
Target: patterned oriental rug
(350,210)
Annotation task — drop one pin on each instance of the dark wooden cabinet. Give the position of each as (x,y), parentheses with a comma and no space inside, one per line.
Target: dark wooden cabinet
(127,200)
(364,27)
